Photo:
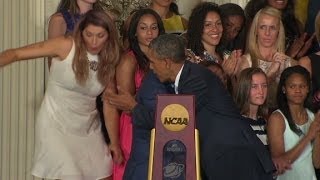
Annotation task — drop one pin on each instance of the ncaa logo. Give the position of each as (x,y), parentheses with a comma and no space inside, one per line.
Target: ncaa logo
(175,117)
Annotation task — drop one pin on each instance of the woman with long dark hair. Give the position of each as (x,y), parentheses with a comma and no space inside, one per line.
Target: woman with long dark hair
(293,130)
(204,35)
(145,25)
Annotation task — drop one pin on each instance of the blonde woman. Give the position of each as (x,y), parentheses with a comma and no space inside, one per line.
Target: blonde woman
(266,48)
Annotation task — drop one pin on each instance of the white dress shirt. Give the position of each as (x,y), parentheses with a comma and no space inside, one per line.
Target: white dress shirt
(176,82)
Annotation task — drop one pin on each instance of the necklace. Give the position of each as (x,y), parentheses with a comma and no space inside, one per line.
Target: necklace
(93,65)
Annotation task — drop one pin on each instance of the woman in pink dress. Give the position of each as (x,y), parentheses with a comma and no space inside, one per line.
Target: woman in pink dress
(145,25)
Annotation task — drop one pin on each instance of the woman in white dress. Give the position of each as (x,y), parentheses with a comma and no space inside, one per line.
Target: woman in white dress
(293,130)
(69,142)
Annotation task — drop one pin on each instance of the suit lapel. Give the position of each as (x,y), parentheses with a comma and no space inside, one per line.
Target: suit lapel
(184,74)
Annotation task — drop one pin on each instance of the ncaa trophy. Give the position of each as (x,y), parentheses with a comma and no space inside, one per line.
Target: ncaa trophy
(174,153)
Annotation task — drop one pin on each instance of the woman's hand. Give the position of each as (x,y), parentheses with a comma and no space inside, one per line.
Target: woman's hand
(123,101)
(307,45)
(314,129)
(230,63)
(277,61)
(116,153)
(300,46)
(296,46)
(281,165)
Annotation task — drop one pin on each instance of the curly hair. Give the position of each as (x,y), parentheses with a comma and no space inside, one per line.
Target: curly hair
(142,59)
(109,55)
(196,25)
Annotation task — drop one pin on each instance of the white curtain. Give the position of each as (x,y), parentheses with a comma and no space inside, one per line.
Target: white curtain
(21,86)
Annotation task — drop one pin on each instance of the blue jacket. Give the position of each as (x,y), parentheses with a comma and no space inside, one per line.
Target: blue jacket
(137,166)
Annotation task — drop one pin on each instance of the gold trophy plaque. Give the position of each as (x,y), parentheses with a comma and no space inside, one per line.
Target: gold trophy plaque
(174,150)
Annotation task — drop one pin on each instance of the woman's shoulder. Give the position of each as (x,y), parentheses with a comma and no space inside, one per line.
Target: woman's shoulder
(184,22)
(57,25)
(276,120)
(129,55)
(128,59)
(65,41)
(64,44)
(310,114)
(247,56)
(277,114)
(57,18)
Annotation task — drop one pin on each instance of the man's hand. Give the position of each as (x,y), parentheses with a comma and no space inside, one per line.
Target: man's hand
(123,100)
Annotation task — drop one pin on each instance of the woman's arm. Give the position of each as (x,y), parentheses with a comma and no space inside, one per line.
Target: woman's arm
(59,47)
(316,144)
(316,152)
(125,74)
(111,118)
(306,63)
(276,128)
(184,23)
(57,27)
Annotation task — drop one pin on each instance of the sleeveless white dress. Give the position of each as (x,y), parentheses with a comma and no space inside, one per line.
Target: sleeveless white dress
(69,144)
(302,168)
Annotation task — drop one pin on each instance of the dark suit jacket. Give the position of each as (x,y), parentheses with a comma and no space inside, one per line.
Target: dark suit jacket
(229,149)
(137,166)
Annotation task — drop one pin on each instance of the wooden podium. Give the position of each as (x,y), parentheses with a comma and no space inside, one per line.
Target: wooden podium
(174,153)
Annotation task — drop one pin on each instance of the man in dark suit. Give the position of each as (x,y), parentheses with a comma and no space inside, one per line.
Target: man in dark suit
(137,166)
(229,149)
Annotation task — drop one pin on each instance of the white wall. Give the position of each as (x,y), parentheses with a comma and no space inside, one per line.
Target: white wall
(186,6)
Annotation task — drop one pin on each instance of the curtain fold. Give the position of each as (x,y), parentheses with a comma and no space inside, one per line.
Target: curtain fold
(21,87)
